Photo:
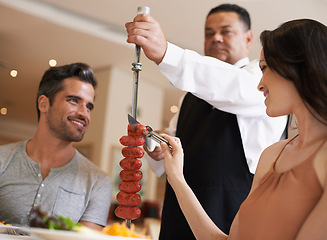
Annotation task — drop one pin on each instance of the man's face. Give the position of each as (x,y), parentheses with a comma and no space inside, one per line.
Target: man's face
(69,115)
(226,37)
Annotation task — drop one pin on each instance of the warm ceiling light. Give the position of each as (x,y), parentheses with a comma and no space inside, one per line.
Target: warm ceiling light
(3,111)
(52,62)
(174,109)
(13,73)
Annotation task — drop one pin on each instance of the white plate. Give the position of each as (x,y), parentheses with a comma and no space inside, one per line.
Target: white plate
(47,234)
(6,228)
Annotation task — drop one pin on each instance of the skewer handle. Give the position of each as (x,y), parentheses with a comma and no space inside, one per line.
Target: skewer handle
(143,9)
(137,66)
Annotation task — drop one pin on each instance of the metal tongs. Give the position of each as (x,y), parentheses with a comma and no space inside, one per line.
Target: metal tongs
(149,133)
(155,136)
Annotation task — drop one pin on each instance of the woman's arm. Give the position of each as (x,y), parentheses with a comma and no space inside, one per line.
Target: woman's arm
(202,226)
(200,223)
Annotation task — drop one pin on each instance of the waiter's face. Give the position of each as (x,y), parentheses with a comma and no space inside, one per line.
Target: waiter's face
(226,37)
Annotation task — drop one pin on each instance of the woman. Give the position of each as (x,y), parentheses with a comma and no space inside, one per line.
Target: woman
(288,198)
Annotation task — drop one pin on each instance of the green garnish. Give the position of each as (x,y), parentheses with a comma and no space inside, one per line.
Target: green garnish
(42,220)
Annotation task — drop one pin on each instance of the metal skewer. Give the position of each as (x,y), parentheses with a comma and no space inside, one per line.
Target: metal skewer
(136,69)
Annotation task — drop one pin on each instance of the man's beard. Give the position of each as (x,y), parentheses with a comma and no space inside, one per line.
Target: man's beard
(62,130)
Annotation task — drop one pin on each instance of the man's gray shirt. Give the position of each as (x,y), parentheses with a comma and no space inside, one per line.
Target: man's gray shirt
(79,190)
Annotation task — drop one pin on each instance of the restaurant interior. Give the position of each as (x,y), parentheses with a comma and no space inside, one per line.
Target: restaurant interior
(37,33)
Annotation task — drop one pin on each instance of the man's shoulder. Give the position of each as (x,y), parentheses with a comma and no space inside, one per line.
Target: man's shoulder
(10,145)
(85,164)
(7,149)
(6,153)
(84,161)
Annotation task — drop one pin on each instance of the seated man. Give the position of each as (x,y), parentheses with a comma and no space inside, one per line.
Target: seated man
(47,170)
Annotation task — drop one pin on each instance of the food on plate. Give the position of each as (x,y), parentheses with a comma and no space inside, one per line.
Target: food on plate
(118,229)
(130,175)
(5,224)
(41,219)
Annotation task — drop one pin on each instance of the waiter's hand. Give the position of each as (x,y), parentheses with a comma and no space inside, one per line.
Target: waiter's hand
(146,32)
(157,154)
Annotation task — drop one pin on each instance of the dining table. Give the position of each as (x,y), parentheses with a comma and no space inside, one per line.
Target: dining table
(9,235)
(27,233)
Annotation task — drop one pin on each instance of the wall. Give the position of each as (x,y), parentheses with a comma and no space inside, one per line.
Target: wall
(12,131)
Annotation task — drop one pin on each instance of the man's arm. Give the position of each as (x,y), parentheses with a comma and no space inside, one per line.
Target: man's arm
(96,213)
(92,225)
(222,85)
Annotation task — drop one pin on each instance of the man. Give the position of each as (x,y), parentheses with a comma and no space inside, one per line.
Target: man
(222,122)
(47,170)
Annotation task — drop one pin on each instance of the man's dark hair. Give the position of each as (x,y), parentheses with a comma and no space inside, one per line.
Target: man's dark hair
(52,80)
(242,13)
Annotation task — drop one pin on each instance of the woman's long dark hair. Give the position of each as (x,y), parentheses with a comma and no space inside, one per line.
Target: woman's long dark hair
(297,50)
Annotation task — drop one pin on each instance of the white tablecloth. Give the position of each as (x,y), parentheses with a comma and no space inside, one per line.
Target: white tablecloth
(16,237)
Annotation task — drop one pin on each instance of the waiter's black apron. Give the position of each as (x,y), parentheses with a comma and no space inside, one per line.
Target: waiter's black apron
(214,167)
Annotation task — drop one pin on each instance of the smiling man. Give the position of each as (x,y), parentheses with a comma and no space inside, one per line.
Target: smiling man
(47,170)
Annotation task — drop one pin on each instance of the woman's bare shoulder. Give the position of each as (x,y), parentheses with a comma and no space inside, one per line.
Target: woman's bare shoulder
(267,158)
(270,154)
(276,147)
(320,165)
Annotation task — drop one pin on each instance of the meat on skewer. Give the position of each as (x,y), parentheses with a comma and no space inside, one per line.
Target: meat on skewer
(130,175)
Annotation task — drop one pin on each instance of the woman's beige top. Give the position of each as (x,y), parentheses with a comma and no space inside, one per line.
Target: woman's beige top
(281,203)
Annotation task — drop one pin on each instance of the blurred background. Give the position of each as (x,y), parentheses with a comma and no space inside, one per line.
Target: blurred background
(33,32)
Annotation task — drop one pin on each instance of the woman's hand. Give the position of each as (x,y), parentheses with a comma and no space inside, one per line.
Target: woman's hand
(174,160)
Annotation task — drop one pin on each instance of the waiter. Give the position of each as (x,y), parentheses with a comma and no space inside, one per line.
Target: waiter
(222,121)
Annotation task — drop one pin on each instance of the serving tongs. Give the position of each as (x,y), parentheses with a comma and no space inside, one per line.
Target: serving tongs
(149,134)
(155,136)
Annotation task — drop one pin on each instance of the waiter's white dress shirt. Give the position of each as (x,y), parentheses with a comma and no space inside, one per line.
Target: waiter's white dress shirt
(229,88)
